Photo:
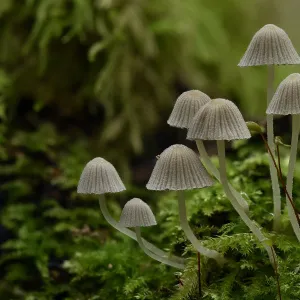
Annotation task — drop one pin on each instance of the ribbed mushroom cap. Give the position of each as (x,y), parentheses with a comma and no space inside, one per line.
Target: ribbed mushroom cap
(178,168)
(99,177)
(185,108)
(137,213)
(286,99)
(270,46)
(220,119)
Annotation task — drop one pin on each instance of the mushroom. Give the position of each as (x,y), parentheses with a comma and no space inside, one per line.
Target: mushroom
(136,213)
(221,120)
(185,108)
(179,168)
(100,177)
(271,46)
(197,133)
(286,101)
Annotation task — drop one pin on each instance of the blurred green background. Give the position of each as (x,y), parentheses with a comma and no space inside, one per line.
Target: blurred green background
(83,78)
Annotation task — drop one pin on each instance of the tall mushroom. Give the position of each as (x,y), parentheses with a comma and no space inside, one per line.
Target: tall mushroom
(221,120)
(286,101)
(136,213)
(184,110)
(271,46)
(178,168)
(100,177)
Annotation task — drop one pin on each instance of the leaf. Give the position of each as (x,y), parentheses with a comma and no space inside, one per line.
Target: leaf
(97,48)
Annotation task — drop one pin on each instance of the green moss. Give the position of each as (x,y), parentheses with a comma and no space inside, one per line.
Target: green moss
(80,256)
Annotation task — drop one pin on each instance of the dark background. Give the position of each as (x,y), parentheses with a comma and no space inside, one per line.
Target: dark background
(82,78)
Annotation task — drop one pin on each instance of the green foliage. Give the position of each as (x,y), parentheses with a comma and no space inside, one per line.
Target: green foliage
(247,274)
(79,256)
(80,79)
(117,66)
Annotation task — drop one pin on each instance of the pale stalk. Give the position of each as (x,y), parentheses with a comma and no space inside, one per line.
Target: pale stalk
(251,225)
(290,174)
(131,234)
(215,172)
(273,171)
(190,235)
(153,255)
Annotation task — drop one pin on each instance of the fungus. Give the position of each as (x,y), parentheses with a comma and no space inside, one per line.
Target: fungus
(221,120)
(136,213)
(100,177)
(271,46)
(286,101)
(208,124)
(179,168)
(185,108)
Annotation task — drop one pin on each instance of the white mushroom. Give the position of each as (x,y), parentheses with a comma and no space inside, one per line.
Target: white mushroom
(271,46)
(286,101)
(220,119)
(100,177)
(214,115)
(179,168)
(136,213)
(185,108)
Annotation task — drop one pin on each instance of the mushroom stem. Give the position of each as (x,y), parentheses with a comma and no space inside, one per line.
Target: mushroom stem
(131,234)
(273,172)
(213,169)
(190,235)
(159,258)
(276,275)
(252,226)
(290,174)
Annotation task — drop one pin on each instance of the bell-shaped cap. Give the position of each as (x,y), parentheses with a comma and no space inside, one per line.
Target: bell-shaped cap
(99,177)
(220,119)
(286,99)
(185,108)
(137,213)
(270,46)
(178,168)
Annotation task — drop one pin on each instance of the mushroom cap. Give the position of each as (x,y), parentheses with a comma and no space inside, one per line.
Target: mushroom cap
(178,168)
(99,177)
(185,108)
(137,213)
(220,119)
(286,99)
(270,46)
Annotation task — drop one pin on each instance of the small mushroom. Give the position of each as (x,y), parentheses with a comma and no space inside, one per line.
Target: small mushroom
(221,120)
(286,101)
(185,108)
(100,177)
(270,46)
(179,169)
(136,213)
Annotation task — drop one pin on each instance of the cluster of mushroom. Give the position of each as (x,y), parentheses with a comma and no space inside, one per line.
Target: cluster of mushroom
(179,168)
